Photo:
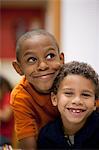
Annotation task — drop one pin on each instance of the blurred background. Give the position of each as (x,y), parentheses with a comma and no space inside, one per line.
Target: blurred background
(19,16)
(74,23)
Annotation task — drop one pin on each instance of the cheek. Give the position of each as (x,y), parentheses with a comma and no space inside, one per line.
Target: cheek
(91,104)
(62,102)
(55,65)
(28,70)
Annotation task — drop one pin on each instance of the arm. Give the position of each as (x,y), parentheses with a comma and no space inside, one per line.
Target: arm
(28,143)
(26,127)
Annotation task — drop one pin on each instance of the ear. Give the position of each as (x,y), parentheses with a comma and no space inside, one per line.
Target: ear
(17,67)
(54,99)
(62,58)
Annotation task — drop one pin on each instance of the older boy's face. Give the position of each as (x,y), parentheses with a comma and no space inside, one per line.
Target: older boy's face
(40,62)
(75,99)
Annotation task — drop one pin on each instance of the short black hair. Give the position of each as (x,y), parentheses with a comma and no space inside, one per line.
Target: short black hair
(77,68)
(30,34)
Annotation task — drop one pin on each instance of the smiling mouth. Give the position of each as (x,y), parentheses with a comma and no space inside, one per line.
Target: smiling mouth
(73,110)
(44,75)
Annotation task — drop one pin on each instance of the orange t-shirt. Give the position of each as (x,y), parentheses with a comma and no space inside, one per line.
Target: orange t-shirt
(32,110)
(97,103)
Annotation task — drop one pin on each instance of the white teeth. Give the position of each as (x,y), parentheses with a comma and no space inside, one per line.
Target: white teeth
(75,110)
(78,111)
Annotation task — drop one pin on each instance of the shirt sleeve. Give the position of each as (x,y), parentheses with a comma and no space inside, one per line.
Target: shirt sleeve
(25,124)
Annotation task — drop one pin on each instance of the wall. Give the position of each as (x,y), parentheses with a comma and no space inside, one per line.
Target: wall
(50,16)
(80,31)
(16,21)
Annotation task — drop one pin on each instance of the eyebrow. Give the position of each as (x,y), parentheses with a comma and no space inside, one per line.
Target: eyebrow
(88,91)
(28,53)
(50,48)
(71,89)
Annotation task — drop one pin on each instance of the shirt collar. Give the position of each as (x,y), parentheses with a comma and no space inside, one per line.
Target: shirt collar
(39,98)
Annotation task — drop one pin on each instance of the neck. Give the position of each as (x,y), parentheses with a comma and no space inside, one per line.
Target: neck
(71,128)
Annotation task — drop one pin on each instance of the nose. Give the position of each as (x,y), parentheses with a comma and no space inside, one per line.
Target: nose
(76,100)
(42,65)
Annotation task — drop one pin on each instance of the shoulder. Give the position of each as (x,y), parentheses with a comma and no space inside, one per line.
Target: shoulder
(92,130)
(20,91)
(51,129)
(93,123)
(51,135)
(95,117)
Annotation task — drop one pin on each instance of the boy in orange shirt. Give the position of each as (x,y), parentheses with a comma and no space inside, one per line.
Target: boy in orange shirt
(38,59)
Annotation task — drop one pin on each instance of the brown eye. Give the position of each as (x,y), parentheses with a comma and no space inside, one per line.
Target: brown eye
(86,95)
(50,56)
(68,94)
(31,59)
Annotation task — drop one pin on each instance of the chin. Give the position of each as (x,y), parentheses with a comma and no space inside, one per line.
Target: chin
(43,90)
(46,89)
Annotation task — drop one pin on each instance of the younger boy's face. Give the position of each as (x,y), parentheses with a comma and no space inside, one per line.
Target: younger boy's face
(40,62)
(75,99)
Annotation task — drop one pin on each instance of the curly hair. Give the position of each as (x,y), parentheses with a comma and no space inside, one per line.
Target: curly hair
(77,68)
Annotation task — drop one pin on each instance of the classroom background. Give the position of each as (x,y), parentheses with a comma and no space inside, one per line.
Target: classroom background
(74,23)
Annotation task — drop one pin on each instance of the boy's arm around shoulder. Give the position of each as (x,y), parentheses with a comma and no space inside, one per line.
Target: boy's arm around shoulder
(25,124)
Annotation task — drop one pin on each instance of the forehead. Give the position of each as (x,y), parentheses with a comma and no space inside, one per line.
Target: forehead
(38,40)
(77,80)
(35,43)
